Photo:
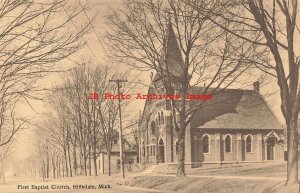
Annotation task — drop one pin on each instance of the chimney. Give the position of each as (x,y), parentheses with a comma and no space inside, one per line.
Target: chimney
(256,86)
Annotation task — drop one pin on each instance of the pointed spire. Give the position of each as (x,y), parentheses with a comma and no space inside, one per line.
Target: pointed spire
(171,54)
(174,61)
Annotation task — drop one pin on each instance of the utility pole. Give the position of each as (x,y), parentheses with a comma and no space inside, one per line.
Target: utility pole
(118,82)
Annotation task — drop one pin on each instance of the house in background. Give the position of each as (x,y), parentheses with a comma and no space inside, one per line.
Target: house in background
(236,126)
(130,154)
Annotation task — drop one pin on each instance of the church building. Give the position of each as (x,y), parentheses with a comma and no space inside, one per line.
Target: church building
(237,126)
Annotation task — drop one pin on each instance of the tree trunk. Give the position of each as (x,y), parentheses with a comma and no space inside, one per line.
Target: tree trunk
(53,168)
(90,161)
(75,156)
(181,155)
(58,168)
(181,147)
(292,162)
(95,162)
(63,168)
(2,167)
(44,169)
(48,164)
(70,163)
(94,142)
(85,162)
(95,155)
(40,172)
(75,163)
(181,133)
(66,163)
(81,162)
(109,164)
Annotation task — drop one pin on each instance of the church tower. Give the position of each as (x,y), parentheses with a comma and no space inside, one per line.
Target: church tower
(172,66)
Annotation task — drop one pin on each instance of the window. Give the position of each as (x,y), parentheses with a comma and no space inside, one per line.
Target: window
(159,118)
(115,141)
(228,144)
(205,141)
(162,118)
(153,128)
(249,143)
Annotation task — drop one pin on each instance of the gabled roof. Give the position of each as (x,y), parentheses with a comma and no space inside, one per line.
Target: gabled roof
(273,134)
(115,148)
(235,109)
(148,103)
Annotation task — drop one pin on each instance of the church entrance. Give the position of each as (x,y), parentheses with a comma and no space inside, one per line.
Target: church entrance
(270,148)
(161,149)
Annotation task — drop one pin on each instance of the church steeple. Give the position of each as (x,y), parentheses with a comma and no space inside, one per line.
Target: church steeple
(173,58)
(173,64)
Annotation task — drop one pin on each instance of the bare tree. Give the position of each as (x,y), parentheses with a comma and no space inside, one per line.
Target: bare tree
(134,136)
(276,23)
(31,44)
(5,152)
(83,125)
(108,112)
(208,56)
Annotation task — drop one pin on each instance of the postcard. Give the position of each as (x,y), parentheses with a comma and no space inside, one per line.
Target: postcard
(140,96)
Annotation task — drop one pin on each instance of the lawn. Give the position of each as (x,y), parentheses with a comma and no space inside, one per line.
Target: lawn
(271,169)
(250,178)
(169,184)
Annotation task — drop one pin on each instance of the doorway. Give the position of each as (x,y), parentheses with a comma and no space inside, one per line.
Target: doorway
(270,148)
(161,158)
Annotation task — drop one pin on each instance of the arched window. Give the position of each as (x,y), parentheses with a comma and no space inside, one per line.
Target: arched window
(171,122)
(205,141)
(249,143)
(162,118)
(158,118)
(153,128)
(228,144)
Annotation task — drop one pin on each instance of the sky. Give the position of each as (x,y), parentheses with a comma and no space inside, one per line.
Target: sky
(23,145)
(95,50)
